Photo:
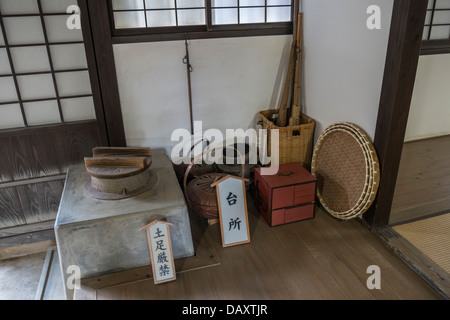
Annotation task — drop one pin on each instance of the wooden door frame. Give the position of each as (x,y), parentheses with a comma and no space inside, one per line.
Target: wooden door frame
(404,46)
(405,39)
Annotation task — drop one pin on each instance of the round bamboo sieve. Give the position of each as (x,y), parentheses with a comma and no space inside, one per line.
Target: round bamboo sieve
(365,194)
(372,178)
(347,170)
(371,169)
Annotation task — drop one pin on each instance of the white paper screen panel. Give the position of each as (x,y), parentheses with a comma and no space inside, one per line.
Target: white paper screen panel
(132,19)
(5,68)
(44,76)
(161,18)
(7,90)
(173,13)
(78,109)
(14,118)
(190,17)
(73,83)
(42,112)
(24,30)
(129,4)
(437,20)
(23,63)
(56,6)
(57,30)
(68,56)
(18,7)
(39,86)
(158,13)
(250,11)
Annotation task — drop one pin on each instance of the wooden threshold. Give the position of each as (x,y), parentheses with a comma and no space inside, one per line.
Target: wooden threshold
(26,249)
(429,271)
(50,286)
(26,239)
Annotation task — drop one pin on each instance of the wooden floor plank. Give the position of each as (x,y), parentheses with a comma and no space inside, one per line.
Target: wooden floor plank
(423,182)
(336,255)
(248,271)
(310,279)
(317,259)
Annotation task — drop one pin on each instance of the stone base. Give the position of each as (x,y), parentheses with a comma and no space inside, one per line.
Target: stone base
(102,236)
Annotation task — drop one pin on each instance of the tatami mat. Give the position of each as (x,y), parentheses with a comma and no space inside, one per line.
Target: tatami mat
(431,236)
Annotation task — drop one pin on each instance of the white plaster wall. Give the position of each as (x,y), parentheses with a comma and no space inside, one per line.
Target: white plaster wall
(429,114)
(344,61)
(234,78)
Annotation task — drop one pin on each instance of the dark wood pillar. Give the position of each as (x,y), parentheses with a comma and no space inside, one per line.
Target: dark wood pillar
(98,15)
(408,19)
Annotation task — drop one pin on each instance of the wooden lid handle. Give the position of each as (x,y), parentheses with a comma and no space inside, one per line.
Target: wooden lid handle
(121,151)
(117,162)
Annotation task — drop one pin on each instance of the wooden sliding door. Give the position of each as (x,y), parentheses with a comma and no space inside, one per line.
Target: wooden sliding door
(51,108)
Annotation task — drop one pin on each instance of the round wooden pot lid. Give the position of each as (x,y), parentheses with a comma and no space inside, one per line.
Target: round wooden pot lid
(119,173)
(347,170)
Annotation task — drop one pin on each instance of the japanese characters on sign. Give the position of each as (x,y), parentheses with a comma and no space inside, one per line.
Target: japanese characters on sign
(233,211)
(158,235)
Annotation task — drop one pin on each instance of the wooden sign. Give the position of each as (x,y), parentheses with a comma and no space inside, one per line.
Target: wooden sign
(161,255)
(232,201)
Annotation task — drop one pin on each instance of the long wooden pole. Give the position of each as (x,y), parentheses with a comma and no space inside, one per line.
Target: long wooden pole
(281,121)
(291,74)
(282,112)
(298,50)
(187,62)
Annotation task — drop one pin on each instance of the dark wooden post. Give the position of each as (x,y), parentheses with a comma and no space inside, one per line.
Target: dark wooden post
(408,19)
(97,11)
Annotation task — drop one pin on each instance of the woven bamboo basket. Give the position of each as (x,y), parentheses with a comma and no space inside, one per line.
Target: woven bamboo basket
(347,170)
(231,164)
(201,197)
(197,169)
(199,194)
(296,141)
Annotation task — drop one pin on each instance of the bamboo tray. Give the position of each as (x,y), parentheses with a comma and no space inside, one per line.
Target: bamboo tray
(347,170)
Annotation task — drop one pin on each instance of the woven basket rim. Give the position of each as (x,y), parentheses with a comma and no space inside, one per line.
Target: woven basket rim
(309,121)
(365,195)
(372,169)
(363,144)
(357,210)
(373,178)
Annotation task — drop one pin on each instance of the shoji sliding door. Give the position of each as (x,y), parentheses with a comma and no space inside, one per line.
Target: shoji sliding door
(50,109)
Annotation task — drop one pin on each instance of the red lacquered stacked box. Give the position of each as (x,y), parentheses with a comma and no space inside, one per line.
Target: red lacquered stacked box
(287,196)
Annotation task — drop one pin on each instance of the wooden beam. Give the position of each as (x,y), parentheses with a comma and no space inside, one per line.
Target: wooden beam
(408,19)
(435,47)
(93,74)
(121,151)
(101,35)
(115,162)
